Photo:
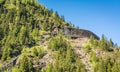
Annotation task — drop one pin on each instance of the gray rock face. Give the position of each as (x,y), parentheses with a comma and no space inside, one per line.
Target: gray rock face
(73,32)
(78,33)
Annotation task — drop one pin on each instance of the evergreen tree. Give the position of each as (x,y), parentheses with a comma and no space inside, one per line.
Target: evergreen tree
(25,64)
(111,44)
(104,44)
(94,58)
(80,66)
(116,67)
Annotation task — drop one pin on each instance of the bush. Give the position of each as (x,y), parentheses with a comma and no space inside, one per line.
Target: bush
(34,51)
(87,47)
(57,42)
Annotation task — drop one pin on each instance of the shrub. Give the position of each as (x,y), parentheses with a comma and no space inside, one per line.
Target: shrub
(57,42)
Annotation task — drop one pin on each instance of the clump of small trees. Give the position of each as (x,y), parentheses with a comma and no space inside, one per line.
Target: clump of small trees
(103,44)
(64,57)
(106,63)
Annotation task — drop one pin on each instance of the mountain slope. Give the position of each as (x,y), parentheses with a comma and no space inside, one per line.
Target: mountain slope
(35,39)
(22,23)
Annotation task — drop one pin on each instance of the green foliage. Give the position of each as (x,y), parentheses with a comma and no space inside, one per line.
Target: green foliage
(91,44)
(58,42)
(111,44)
(80,66)
(21,22)
(107,65)
(35,34)
(6,53)
(116,67)
(10,6)
(15,69)
(65,62)
(93,58)
(87,47)
(65,58)
(1,1)
(48,69)
(102,44)
(25,64)
(36,51)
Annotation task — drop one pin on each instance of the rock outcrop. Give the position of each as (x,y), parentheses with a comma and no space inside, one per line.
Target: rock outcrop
(78,33)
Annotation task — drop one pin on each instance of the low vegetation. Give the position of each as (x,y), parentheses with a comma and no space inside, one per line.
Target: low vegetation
(104,56)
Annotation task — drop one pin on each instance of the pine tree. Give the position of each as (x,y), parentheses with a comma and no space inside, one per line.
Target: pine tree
(104,44)
(80,66)
(111,44)
(102,67)
(49,68)
(116,67)
(94,58)
(25,64)
(5,54)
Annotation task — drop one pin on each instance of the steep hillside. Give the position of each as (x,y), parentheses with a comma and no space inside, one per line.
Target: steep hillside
(22,23)
(35,39)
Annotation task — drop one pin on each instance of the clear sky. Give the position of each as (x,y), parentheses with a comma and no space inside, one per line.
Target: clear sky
(98,16)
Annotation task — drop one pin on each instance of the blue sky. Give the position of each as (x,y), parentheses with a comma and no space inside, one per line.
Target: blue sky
(98,16)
